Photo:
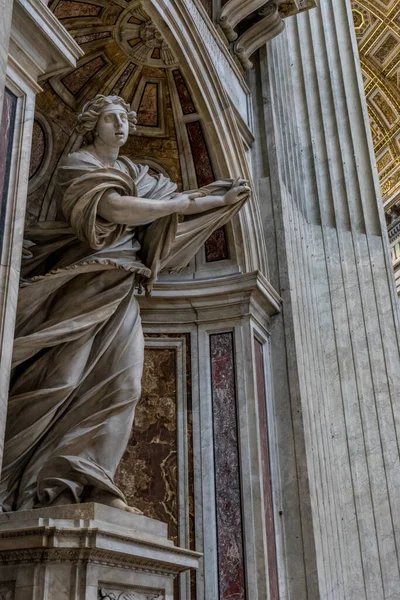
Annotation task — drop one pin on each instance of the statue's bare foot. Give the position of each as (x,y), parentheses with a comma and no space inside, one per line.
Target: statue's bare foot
(103,497)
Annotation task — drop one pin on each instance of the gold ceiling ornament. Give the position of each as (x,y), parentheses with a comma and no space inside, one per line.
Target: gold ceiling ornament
(377,26)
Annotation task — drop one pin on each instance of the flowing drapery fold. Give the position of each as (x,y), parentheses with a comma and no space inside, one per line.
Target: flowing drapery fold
(78,350)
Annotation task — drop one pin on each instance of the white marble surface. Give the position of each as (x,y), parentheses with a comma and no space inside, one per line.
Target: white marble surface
(341,316)
(72,552)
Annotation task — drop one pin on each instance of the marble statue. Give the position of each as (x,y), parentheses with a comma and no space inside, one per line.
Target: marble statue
(78,351)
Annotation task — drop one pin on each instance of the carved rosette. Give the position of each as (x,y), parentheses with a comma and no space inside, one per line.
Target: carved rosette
(140,39)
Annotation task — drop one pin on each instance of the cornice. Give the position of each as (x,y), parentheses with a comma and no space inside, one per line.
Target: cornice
(43,45)
(86,544)
(214,299)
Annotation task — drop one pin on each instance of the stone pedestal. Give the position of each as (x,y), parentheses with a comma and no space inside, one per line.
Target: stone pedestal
(87,552)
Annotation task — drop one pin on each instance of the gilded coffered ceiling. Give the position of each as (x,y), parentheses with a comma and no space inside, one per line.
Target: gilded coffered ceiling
(377,24)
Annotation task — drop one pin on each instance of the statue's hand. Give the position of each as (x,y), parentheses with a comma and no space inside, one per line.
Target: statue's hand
(236,194)
(183,201)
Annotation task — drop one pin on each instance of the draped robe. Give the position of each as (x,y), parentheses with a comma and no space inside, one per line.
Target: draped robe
(78,350)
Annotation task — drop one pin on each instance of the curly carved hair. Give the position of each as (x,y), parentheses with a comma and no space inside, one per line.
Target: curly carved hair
(90,114)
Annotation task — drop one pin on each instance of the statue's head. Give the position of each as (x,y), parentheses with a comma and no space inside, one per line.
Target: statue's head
(109,118)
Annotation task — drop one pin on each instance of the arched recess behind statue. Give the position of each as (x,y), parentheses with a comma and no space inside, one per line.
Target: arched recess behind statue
(193,133)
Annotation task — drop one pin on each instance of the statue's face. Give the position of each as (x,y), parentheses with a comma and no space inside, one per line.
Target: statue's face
(113,126)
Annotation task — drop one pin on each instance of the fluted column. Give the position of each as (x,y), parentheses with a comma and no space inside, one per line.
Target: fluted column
(340,301)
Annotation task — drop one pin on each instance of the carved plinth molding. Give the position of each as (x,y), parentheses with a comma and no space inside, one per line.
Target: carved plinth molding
(130,556)
(106,593)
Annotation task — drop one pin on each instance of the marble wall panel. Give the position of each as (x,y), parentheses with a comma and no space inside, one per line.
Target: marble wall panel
(216,247)
(147,114)
(147,473)
(123,80)
(163,148)
(75,81)
(91,37)
(188,107)
(266,471)
(189,424)
(201,157)
(231,566)
(70,8)
(6,140)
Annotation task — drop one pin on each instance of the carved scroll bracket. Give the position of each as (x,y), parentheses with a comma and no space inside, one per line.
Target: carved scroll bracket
(269,26)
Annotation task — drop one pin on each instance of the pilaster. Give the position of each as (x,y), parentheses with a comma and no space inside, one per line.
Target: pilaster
(332,250)
(5,25)
(39,46)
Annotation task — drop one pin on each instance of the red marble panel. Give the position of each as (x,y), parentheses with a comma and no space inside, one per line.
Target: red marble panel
(147,473)
(67,9)
(192,538)
(188,108)
(75,81)
(6,140)
(266,468)
(217,246)
(148,106)
(91,37)
(38,148)
(123,80)
(231,567)
(201,158)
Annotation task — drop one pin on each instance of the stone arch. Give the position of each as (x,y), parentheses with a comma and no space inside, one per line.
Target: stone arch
(154,55)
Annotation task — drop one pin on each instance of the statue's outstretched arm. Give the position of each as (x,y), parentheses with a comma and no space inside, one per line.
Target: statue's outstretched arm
(199,203)
(130,210)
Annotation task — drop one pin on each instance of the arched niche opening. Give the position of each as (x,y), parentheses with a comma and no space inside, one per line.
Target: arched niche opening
(153,56)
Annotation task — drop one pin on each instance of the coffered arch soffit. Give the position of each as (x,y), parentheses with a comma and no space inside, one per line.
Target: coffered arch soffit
(151,54)
(377,25)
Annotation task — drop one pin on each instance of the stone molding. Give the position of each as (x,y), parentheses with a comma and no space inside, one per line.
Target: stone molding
(91,537)
(211,299)
(224,64)
(33,20)
(113,555)
(259,34)
(114,594)
(235,11)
